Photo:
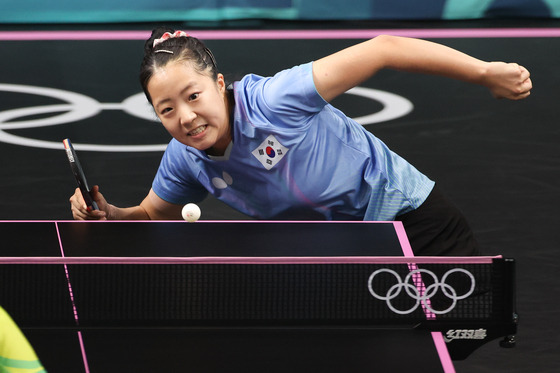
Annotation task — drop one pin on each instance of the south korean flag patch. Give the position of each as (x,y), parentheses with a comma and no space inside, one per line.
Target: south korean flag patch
(270,152)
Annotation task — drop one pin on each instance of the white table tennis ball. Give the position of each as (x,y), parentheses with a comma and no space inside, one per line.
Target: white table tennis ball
(190,212)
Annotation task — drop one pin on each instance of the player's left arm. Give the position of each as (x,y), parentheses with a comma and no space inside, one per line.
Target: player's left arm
(338,72)
(159,209)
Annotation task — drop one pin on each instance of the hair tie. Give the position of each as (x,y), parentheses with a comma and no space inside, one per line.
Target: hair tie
(168,35)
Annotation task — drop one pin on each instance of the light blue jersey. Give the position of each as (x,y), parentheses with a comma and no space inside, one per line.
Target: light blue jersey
(294,156)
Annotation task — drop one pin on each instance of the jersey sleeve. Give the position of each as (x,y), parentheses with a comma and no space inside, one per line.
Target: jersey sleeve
(176,179)
(287,99)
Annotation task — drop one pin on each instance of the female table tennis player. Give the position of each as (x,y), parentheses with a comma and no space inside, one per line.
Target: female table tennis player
(274,148)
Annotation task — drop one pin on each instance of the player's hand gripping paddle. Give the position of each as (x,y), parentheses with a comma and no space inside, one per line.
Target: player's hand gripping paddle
(79,175)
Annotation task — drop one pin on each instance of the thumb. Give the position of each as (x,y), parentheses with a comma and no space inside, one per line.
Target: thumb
(95,192)
(97,196)
(99,200)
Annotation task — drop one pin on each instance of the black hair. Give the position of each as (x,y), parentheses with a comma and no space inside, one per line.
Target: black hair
(183,48)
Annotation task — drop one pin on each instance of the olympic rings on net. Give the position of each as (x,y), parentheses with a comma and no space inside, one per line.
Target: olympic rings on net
(416,289)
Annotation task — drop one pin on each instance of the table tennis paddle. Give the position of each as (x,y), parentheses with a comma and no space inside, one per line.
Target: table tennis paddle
(79,175)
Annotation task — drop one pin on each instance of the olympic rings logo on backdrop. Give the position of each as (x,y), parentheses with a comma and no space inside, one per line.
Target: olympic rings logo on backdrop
(76,107)
(418,292)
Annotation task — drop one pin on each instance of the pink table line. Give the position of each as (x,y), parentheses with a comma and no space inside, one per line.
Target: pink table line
(198,222)
(403,239)
(288,34)
(80,339)
(437,337)
(83,348)
(445,358)
(249,260)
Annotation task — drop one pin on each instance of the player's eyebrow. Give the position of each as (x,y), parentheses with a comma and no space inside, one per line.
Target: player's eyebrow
(168,99)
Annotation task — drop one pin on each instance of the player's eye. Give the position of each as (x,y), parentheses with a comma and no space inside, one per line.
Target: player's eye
(165,111)
(194,96)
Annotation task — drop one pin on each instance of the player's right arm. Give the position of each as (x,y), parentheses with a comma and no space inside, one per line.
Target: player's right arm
(151,208)
(340,71)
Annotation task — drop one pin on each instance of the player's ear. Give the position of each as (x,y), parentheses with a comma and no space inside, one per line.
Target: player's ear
(221,82)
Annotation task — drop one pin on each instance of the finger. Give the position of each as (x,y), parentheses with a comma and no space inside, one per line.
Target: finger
(525,87)
(521,96)
(77,214)
(77,198)
(525,74)
(97,196)
(98,214)
(528,83)
(94,190)
(85,215)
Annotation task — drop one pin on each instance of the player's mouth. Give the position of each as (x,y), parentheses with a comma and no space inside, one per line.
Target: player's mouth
(198,130)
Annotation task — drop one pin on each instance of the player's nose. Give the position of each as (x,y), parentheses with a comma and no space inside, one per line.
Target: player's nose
(187,116)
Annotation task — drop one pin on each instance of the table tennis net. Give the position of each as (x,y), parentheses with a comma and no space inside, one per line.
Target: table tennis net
(185,294)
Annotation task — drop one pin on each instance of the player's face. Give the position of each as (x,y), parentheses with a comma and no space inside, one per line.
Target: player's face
(192,106)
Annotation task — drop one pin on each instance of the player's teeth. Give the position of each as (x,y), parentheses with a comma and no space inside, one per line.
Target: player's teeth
(198,130)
